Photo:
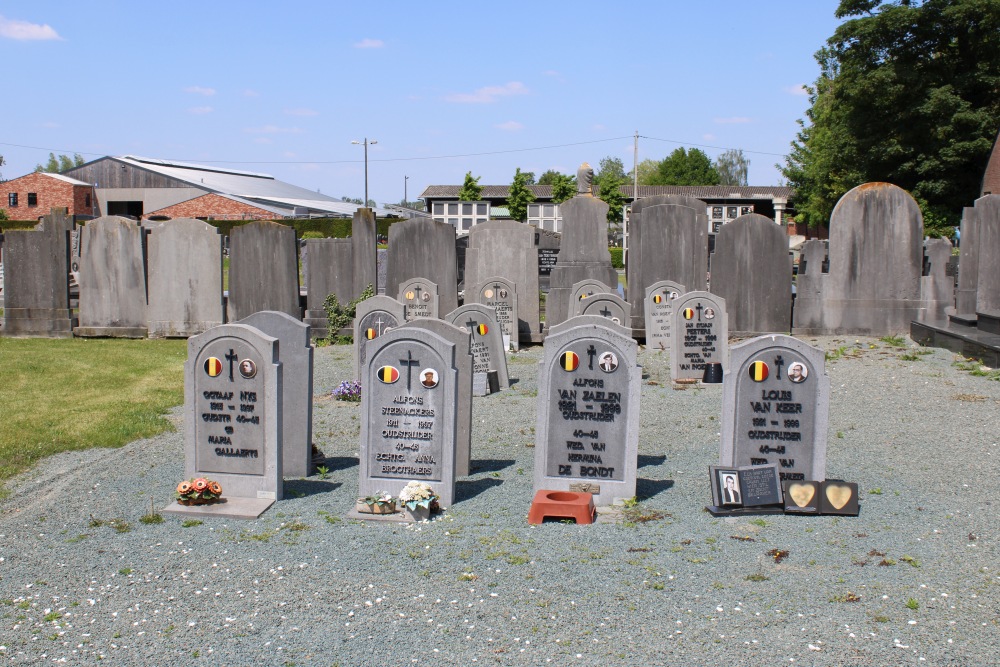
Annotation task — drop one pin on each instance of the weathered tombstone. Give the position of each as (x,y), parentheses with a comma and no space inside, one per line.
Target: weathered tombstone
(988,280)
(501,295)
(610,306)
(36,278)
(807,307)
(328,268)
(587,288)
(752,271)
(487,343)
(776,403)
(984,213)
(232,421)
(408,419)
(112,279)
(423,247)
(372,318)
(381,269)
(263,270)
(937,287)
(364,249)
(588,411)
(660,297)
(419,297)
(295,351)
(699,335)
(185,278)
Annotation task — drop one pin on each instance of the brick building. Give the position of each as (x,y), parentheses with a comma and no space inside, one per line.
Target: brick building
(216,207)
(34,195)
(991,177)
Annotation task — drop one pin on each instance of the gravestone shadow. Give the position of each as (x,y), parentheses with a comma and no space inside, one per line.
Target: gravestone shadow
(646,489)
(647,460)
(469,489)
(337,462)
(490,465)
(298,488)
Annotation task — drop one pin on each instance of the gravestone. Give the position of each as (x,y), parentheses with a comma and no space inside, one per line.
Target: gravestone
(419,297)
(185,278)
(610,306)
(937,286)
(587,288)
(588,411)
(660,297)
(381,269)
(112,279)
(408,419)
(988,280)
(232,421)
(364,249)
(424,248)
(295,351)
(36,278)
(487,342)
(373,317)
(752,271)
(328,268)
(776,403)
(807,307)
(699,335)
(500,295)
(263,270)
(985,212)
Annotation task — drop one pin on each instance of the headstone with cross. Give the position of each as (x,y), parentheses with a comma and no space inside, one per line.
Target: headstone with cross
(608,306)
(419,297)
(373,317)
(487,346)
(699,335)
(500,295)
(660,297)
(585,289)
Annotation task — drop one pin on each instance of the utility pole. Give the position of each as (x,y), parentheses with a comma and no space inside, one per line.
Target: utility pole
(406,198)
(365,143)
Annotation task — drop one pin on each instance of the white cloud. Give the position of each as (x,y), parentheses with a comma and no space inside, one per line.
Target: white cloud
(732,120)
(250,93)
(489,94)
(200,110)
(272,129)
(369,44)
(200,90)
(24,31)
(797,89)
(301,112)
(510,126)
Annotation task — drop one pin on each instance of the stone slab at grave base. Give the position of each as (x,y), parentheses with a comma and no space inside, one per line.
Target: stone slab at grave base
(404,515)
(745,511)
(227,508)
(969,341)
(48,322)
(110,332)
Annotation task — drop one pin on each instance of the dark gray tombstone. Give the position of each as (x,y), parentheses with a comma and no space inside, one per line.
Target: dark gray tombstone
(487,342)
(608,306)
(587,288)
(500,295)
(328,269)
(660,297)
(185,278)
(408,429)
(775,407)
(295,351)
(937,287)
(752,271)
(263,270)
(984,213)
(699,335)
(112,279)
(588,411)
(424,248)
(36,278)
(232,420)
(381,269)
(364,246)
(419,297)
(373,317)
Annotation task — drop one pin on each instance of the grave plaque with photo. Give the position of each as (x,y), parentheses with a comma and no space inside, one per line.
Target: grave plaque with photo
(608,306)
(500,295)
(660,298)
(585,289)
(487,343)
(373,317)
(419,297)
(699,335)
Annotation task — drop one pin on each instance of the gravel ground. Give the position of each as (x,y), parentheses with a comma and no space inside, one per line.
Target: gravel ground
(912,580)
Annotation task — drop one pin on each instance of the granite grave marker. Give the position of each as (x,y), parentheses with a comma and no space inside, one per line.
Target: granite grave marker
(487,343)
(112,279)
(500,294)
(263,270)
(699,335)
(419,297)
(373,317)
(660,297)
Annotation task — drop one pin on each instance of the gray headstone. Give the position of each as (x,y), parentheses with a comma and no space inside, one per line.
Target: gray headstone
(424,248)
(372,318)
(487,342)
(295,352)
(419,297)
(501,295)
(588,412)
(699,335)
(937,287)
(660,297)
(185,278)
(984,213)
(988,281)
(609,306)
(263,270)
(381,269)
(775,407)
(807,313)
(112,279)
(752,271)
(329,270)
(408,429)
(364,247)
(587,288)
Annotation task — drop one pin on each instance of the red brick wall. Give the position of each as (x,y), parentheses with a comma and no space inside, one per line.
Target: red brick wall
(52,192)
(215,207)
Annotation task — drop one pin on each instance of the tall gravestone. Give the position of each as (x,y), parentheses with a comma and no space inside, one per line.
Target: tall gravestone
(984,214)
(699,335)
(988,280)
(500,295)
(487,343)
(36,278)
(263,270)
(364,249)
(328,268)
(185,278)
(660,297)
(112,279)
(752,271)
(374,316)
(776,403)
(408,412)
(295,351)
(419,297)
(423,247)
(937,286)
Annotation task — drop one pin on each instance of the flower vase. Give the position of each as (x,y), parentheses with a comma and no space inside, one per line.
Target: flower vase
(375,508)
(418,513)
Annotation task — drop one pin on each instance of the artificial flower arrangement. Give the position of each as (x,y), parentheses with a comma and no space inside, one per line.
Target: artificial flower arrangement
(349,390)
(198,491)
(419,494)
(380,503)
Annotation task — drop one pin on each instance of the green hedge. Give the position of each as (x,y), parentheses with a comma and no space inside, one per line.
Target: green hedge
(8,225)
(617,257)
(335,228)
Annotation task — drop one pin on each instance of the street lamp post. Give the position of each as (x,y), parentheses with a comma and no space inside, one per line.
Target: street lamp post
(365,143)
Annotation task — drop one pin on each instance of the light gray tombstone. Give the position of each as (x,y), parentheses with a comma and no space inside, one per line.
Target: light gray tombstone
(609,306)
(295,351)
(588,411)
(381,268)
(586,288)
(423,247)
(112,279)
(373,317)
(232,420)
(807,307)
(487,341)
(36,279)
(185,278)
(699,335)
(329,269)
(988,279)
(752,271)
(984,212)
(500,294)
(937,288)
(263,270)
(775,407)
(408,427)
(364,248)
(462,340)
(660,297)
(419,297)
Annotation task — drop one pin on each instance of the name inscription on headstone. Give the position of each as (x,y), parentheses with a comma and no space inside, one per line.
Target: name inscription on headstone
(500,297)
(699,334)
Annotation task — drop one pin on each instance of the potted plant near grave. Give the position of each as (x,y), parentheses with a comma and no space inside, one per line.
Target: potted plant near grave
(380,503)
(419,500)
(198,491)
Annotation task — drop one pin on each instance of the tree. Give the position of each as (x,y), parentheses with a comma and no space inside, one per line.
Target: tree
(359,201)
(647,171)
(529,178)
(906,94)
(683,167)
(2,163)
(471,190)
(732,167)
(611,169)
(607,184)
(563,185)
(519,196)
(57,164)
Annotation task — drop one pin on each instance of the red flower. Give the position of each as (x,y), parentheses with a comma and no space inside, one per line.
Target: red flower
(215,488)
(200,484)
(184,487)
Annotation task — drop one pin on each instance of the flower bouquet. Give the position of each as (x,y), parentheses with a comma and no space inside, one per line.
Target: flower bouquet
(419,498)
(198,491)
(349,390)
(380,503)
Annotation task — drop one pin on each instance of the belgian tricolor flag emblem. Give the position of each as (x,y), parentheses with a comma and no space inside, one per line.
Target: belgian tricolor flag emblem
(370,334)
(569,361)
(213,367)
(657,298)
(688,313)
(388,374)
(758,371)
(481,329)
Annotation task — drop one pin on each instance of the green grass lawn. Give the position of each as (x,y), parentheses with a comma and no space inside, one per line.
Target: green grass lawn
(69,394)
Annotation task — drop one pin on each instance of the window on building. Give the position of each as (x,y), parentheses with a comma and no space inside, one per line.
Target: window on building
(87,200)
(32,199)
(11,199)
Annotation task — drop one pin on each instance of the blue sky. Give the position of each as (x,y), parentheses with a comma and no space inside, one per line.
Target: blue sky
(284,88)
